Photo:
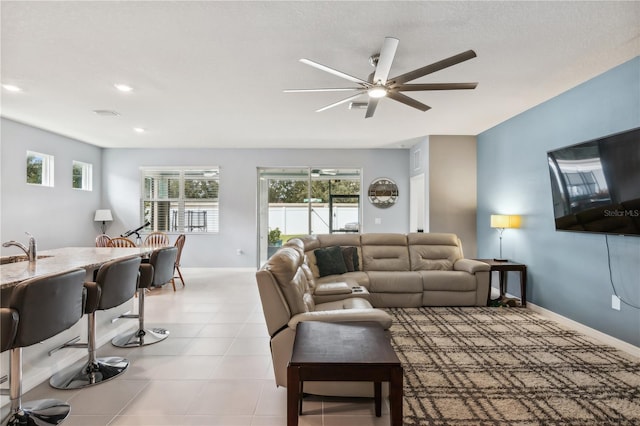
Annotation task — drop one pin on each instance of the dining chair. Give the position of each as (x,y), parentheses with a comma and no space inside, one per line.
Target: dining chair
(121,242)
(156,239)
(179,244)
(102,240)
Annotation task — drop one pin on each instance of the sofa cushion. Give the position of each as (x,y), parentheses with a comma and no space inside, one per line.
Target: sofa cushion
(352,303)
(394,282)
(384,252)
(437,251)
(330,261)
(352,278)
(309,303)
(328,240)
(311,281)
(385,258)
(284,265)
(447,281)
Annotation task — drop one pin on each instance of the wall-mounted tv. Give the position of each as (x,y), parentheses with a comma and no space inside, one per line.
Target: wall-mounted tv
(595,185)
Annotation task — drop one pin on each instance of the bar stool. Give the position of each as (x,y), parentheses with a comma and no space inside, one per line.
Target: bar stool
(38,309)
(158,271)
(115,283)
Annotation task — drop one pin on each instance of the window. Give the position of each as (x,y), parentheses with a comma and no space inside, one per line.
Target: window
(82,176)
(39,169)
(180,199)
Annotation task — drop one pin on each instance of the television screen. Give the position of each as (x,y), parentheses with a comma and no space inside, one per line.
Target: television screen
(595,185)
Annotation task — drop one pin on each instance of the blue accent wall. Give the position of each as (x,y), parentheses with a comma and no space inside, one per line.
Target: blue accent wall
(568,272)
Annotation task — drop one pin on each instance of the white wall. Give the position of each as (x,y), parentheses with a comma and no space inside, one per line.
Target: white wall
(57,216)
(238,192)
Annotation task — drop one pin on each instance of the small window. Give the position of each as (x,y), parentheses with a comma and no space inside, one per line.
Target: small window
(82,176)
(39,169)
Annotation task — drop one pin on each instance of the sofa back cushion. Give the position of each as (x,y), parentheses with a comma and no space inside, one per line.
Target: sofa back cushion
(284,265)
(385,252)
(433,251)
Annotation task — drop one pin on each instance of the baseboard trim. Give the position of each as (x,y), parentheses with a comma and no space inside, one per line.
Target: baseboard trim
(591,332)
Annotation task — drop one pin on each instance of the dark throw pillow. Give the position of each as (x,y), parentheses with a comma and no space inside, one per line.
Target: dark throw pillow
(330,261)
(351,260)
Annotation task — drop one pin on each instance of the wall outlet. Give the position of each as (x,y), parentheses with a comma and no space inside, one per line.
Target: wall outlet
(377,220)
(615,302)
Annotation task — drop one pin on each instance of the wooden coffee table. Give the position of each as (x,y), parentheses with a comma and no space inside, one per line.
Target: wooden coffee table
(356,351)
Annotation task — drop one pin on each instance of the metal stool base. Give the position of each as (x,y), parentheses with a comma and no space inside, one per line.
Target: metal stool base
(139,338)
(102,370)
(41,412)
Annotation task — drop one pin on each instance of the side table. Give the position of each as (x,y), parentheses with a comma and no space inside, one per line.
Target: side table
(503,266)
(350,351)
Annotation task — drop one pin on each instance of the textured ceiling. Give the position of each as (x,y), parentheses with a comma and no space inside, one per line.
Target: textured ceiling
(211,74)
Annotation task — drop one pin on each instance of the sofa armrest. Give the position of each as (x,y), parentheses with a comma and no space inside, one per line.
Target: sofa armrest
(471,266)
(344,315)
(326,289)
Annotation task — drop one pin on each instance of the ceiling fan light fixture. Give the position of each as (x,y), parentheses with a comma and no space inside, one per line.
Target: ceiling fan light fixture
(377,92)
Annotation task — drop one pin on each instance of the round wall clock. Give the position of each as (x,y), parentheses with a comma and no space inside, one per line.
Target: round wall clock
(383,193)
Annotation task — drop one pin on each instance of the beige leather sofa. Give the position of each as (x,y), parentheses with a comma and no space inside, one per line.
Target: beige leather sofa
(408,270)
(393,270)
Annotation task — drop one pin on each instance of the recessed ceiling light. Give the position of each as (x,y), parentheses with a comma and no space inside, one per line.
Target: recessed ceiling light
(106,112)
(123,87)
(12,88)
(139,129)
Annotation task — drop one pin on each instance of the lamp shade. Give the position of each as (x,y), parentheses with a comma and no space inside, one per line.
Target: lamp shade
(103,216)
(505,221)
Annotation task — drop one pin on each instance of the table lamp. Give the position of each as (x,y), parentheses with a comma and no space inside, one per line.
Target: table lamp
(103,216)
(501,222)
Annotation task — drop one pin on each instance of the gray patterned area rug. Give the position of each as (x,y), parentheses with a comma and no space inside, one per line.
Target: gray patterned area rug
(509,366)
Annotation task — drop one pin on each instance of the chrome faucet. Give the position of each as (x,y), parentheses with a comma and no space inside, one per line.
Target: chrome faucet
(30,252)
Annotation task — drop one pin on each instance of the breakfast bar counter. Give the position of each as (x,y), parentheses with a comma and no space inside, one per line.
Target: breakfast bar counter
(38,363)
(16,269)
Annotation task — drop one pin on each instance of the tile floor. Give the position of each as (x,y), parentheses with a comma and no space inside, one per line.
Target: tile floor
(214,368)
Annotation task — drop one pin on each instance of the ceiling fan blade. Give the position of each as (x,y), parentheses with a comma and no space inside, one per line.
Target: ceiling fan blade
(371,108)
(342,101)
(332,71)
(436,66)
(387,53)
(337,89)
(434,86)
(408,101)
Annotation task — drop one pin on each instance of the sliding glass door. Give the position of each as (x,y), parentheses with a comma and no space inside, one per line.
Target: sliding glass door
(294,201)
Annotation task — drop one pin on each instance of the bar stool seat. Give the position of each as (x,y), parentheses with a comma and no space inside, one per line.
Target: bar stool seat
(115,283)
(38,309)
(158,271)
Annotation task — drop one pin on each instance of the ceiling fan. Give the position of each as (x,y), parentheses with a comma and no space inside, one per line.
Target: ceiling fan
(379,85)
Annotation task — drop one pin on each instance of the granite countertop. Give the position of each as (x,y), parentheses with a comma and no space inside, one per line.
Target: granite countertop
(62,259)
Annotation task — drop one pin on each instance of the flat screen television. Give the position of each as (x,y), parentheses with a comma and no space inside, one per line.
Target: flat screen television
(595,185)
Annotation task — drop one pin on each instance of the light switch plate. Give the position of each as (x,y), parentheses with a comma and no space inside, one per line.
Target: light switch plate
(615,302)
